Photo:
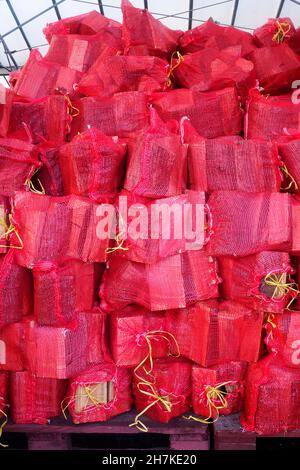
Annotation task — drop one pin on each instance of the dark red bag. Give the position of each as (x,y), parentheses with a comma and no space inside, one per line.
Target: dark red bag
(174,282)
(212,69)
(92,165)
(124,73)
(276,67)
(283,337)
(145,35)
(35,399)
(97,341)
(272,398)
(260,281)
(294,41)
(218,390)
(40,120)
(4,381)
(123,115)
(58,292)
(211,34)
(18,163)
(274,32)
(57,229)
(164,393)
(99,393)
(6,98)
(15,290)
(213,114)
(247,223)
(40,78)
(269,117)
(49,175)
(295,246)
(12,347)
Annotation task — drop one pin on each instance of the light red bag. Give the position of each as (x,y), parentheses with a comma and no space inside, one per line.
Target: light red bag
(99,393)
(57,229)
(174,282)
(247,223)
(269,117)
(40,78)
(4,211)
(274,32)
(272,398)
(59,293)
(295,245)
(259,281)
(276,68)
(213,114)
(6,98)
(92,165)
(124,73)
(35,399)
(283,337)
(97,341)
(211,34)
(123,115)
(145,35)
(218,390)
(13,347)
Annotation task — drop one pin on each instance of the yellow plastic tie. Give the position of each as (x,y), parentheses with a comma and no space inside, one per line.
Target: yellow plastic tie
(2,426)
(282,287)
(270,321)
(293,182)
(282,30)
(31,186)
(72,110)
(9,229)
(180,59)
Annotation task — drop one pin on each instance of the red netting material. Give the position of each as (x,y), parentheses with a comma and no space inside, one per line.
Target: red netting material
(174,282)
(210,34)
(231,372)
(145,35)
(4,221)
(172,379)
(272,398)
(294,41)
(244,280)
(246,223)
(49,173)
(97,335)
(92,165)
(57,229)
(15,290)
(39,120)
(103,372)
(276,67)
(212,69)
(213,114)
(40,78)
(283,337)
(18,162)
(12,347)
(35,400)
(156,148)
(295,248)
(124,114)
(267,34)
(289,151)
(58,293)
(4,380)
(269,117)
(6,98)
(124,73)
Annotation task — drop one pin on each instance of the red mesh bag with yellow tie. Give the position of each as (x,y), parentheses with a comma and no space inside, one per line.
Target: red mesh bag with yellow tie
(6,98)
(274,32)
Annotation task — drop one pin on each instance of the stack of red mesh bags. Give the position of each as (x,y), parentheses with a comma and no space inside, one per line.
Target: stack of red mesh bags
(149,224)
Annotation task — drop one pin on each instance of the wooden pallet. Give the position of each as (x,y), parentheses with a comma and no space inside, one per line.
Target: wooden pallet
(60,434)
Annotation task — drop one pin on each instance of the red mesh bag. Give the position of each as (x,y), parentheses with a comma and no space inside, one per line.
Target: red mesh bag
(210,34)
(283,337)
(188,211)
(154,150)
(295,248)
(124,114)
(15,290)
(4,210)
(96,321)
(34,399)
(92,165)
(246,223)
(57,352)
(39,120)
(145,35)
(260,281)
(212,114)
(274,32)
(12,347)
(124,73)
(6,98)
(169,394)
(58,292)
(294,41)
(40,78)
(173,282)
(272,398)
(88,23)
(49,174)
(276,67)
(232,164)
(219,390)
(18,162)
(269,117)
(99,393)
(212,69)
(289,149)
(57,229)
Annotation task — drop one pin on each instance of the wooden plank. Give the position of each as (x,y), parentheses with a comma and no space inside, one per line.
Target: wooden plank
(49,441)
(229,434)
(189,441)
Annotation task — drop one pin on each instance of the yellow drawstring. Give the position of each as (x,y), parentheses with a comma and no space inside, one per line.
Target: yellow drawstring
(180,59)
(72,110)
(270,320)
(9,229)
(281,32)
(2,427)
(287,174)
(31,186)
(89,395)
